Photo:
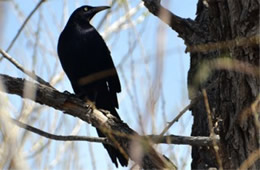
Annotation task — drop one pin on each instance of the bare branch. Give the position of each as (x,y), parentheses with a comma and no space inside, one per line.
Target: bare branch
(186,108)
(211,129)
(73,106)
(179,116)
(221,45)
(186,28)
(170,139)
(20,67)
(252,158)
(184,140)
(23,25)
(59,137)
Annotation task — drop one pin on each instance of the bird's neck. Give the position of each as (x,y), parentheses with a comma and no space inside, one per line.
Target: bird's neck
(76,22)
(81,27)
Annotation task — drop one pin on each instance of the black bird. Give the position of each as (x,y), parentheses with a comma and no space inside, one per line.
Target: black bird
(87,62)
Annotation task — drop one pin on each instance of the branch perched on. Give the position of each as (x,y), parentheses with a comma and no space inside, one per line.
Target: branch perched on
(118,132)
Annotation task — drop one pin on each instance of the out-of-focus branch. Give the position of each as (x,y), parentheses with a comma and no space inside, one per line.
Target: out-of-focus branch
(252,158)
(106,15)
(186,28)
(179,116)
(23,25)
(12,60)
(59,137)
(237,42)
(20,67)
(116,130)
(211,129)
(170,139)
(183,140)
(185,109)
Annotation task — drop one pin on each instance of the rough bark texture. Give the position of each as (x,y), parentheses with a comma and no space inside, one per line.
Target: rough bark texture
(234,93)
(227,30)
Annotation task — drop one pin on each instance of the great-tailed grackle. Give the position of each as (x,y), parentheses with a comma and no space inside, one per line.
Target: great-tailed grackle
(86,60)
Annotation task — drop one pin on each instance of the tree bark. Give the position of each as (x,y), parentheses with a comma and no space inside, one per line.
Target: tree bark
(234,102)
(223,42)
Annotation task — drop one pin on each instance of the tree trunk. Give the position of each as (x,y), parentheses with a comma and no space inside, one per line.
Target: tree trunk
(222,64)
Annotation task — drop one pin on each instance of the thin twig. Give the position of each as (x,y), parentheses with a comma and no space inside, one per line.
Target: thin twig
(20,67)
(170,139)
(23,25)
(91,152)
(184,140)
(179,115)
(189,106)
(13,61)
(252,158)
(221,45)
(106,15)
(212,133)
(184,27)
(59,137)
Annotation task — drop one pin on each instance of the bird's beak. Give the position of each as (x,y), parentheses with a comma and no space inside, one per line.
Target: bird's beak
(100,8)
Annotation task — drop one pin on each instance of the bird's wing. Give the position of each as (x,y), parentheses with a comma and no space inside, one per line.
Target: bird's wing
(107,64)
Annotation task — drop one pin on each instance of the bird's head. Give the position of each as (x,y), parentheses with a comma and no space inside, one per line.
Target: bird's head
(85,13)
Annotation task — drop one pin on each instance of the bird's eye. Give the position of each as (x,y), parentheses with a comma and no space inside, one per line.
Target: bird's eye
(85,9)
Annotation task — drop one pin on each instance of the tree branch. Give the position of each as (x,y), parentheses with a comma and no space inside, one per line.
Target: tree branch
(170,139)
(59,137)
(12,60)
(186,28)
(116,131)
(184,140)
(23,25)
(21,68)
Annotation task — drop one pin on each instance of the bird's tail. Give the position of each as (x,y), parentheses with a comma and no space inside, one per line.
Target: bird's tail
(114,153)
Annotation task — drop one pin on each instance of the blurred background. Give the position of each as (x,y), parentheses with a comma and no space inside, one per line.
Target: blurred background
(152,67)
